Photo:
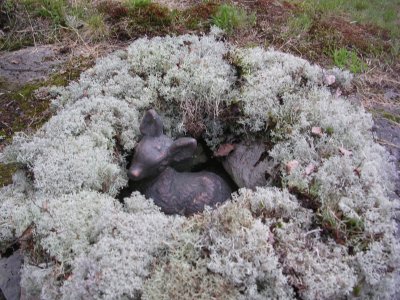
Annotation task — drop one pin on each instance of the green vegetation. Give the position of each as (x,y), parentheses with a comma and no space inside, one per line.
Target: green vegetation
(48,21)
(137,3)
(346,59)
(387,115)
(329,130)
(324,29)
(52,9)
(391,117)
(97,28)
(6,172)
(344,230)
(32,22)
(230,17)
(382,13)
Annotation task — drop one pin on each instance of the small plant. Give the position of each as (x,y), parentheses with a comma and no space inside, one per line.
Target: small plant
(7,6)
(329,130)
(197,16)
(229,17)
(346,59)
(52,9)
(96,27)
(137,3)
(360,5)
(300,24)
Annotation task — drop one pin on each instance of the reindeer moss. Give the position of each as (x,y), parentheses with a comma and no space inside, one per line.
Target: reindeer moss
(318,233)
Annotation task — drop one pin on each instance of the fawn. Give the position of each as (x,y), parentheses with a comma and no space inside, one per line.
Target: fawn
(175,192)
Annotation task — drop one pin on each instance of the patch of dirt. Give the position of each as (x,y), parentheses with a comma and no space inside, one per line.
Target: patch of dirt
(380,86)
(271,18)
(367,39)
(271,11)
(178,4)
(316,44)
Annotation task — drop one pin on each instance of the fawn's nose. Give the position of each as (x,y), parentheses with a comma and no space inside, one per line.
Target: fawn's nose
(134,173)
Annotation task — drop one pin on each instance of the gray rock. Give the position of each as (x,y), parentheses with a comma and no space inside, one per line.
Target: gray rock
(247,166)
(10,276)
(387,133)
(28,64)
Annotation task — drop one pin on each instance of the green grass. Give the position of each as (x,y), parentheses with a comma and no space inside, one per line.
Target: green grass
(51,9)
(344,31)
(230,17)
(344,230)
(7,6)
(300,23)
(137,3)
(6,172)
(387,115)
(382,13)
(81,20)
(346,59)
(97,29)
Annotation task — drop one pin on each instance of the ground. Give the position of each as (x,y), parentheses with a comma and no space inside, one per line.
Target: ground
(45,43)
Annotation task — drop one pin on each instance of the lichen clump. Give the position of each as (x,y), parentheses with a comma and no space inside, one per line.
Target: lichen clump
(323,228)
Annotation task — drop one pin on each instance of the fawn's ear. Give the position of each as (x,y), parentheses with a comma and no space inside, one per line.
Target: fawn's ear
(151,124)
(182,149)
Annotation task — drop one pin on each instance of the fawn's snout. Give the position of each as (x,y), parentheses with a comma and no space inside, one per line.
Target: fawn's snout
(135,173)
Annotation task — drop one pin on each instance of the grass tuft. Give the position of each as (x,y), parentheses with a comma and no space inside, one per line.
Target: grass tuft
(97,29)
(346,59)
(230,17)
(137,3)
(6,172)
(52,9)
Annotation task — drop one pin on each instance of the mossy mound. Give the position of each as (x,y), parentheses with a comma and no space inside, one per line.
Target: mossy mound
(324,230)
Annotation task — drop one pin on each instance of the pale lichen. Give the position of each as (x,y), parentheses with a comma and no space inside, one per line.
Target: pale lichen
(322,232)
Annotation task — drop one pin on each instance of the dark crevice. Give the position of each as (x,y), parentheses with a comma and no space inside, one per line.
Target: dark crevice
(263,156)
(280,99)
(305,199)
(11,249)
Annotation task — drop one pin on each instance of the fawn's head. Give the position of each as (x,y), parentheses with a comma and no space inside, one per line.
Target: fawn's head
(156,151)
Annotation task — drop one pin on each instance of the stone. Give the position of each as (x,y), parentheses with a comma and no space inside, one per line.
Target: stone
(10,276)
(247,166)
